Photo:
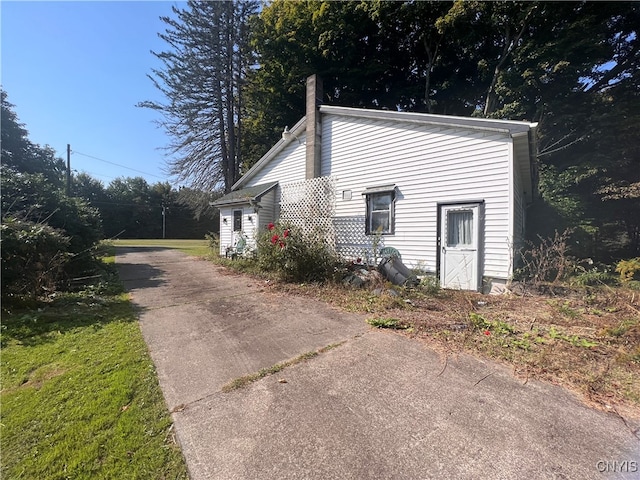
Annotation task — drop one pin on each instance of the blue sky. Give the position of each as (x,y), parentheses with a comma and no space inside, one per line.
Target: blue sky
(74,72)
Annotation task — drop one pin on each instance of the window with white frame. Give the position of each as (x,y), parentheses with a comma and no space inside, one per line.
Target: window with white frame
(380,210)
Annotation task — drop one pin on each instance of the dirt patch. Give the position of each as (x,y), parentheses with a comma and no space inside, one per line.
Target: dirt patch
(38,377)
(587,340)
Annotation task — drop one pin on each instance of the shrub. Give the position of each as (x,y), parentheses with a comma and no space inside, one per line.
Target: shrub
(33,198)
(430,284)
(46,235)
(628,269)
(34,256)
(294,256)
(594,276)
(547,261)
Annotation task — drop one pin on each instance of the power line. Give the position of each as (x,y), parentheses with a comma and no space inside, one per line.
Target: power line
(93,174)
(140,205)
(117,164)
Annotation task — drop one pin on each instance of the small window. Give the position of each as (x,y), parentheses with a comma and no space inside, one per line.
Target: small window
(237,220)
(380,210)
(460,228)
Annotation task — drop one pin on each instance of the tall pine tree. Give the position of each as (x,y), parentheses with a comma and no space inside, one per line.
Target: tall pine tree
(201,80)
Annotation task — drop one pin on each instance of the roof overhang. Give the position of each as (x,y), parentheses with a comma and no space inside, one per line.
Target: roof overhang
(380,189)
(245,196)
(512,127)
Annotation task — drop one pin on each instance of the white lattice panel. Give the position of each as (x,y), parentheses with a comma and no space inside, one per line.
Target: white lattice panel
(351,241)
(308,199)
(309,205)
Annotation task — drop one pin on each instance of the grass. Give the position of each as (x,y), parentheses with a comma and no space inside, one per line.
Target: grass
(80,396)
(196,248)
(391,323)
(247,380)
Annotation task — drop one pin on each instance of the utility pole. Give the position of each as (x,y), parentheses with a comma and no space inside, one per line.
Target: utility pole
(68,170)
(164,221)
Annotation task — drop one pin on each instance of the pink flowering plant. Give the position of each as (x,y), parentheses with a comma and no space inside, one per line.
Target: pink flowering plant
(285,251)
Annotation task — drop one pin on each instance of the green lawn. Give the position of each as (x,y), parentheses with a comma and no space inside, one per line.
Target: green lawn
(80,396)
(196,248)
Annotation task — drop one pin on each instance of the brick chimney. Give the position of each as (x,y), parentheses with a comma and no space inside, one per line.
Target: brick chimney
(314,127)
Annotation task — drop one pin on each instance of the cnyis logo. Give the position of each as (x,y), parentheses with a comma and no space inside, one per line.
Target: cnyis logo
(626,466)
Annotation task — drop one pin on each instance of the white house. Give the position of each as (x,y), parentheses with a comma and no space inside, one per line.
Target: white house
(449,193)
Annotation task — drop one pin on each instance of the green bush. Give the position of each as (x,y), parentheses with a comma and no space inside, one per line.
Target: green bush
(34,257)
(32,197)
(628,269)
(47,237)
(284,250)
(594,277)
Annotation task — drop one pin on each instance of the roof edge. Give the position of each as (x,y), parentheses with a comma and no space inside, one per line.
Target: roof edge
(258,191)
(487,124)
(273,151)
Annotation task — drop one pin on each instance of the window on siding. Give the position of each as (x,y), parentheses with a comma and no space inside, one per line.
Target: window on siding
(380,210)
(237,220)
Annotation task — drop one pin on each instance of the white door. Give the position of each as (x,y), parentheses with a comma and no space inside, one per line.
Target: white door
(459,241)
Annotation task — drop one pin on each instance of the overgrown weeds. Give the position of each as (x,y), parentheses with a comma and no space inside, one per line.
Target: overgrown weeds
(546,261)
(564,340)
(247,380)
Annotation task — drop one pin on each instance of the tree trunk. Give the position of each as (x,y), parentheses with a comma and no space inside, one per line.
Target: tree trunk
(432,55)
(508,48)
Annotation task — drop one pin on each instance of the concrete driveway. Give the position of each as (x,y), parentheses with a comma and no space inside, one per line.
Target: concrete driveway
(377,406)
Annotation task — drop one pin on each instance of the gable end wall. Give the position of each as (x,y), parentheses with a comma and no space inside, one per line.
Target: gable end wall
(429,165)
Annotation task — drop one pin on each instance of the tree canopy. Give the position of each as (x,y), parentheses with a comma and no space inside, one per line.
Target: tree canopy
(572,67)
(46,235)
(132,208)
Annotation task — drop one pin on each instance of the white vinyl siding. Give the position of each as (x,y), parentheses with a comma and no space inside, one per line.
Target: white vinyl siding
(229,237)
(226,229)
(288,166)
(267,212)
(430,165)
(250,223)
